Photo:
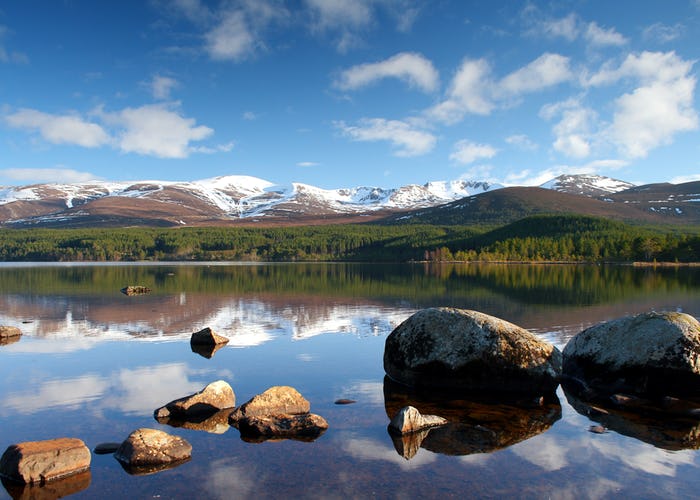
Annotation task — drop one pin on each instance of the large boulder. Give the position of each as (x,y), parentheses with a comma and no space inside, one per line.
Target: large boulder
(276,400)
(214,397)
(656,353)
(457,349)
(36,462)
(151,447)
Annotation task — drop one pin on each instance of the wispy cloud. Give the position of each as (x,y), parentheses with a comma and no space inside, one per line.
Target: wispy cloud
(308,164)
(663,33)
(466,152)
(407,140)
(162,86)
(60,129)
(522,142)
(48,175)
(410,67)
(601,37)
(10,56)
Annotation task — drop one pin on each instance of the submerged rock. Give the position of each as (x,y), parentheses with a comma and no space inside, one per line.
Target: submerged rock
(41,461)
(135,290)
(647,354)
(214,397)
(450,348)
(152,448)
(409,419)
(303,427)
(276,400)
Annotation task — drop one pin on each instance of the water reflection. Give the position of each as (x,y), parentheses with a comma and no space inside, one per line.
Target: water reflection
(674,425)
(474,425)
(49,491)
(216,423)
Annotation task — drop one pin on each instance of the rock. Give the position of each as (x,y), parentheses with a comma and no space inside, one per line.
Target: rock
(304,427)
(214,397)
(446,348)
(597,429)
(276,400)
(206,351)
(135,290)
(151,447)
(106,448)
(8,332)
(409,419)
(345,401)
(650,354)
(36,462)
(207,337)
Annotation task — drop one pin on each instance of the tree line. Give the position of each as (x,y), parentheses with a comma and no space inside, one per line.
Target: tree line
(569,238)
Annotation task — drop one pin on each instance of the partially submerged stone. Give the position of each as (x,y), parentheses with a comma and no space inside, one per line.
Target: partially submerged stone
(36,462)
(409,419)
(647,354)
(208,337)
(9,332)
(214,397)
(152,447)
(276,400)
(135,290)
(214,424)
(457,349)
(304,427)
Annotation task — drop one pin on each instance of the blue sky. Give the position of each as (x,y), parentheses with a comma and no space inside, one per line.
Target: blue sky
(344,93)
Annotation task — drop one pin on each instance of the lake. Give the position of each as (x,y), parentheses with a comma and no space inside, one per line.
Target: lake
(94,364)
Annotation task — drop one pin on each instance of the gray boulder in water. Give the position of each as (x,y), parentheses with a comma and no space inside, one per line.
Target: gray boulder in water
(457,349)
(648,354)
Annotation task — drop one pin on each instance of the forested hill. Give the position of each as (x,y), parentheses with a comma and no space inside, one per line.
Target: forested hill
(536,238)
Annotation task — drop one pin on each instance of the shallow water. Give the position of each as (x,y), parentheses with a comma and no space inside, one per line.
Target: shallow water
(94,364)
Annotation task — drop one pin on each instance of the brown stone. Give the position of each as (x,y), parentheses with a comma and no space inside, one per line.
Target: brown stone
(7,332)
(135,290)
(214,397)
(207,336)
(152,447)
(305,427)
(42,461)
(409,419)
(276,400)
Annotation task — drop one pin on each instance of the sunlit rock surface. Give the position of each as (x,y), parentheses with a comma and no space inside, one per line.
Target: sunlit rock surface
(214,397)
(461,349)
(147,450)
(276,400)
(652,353)
(42,461)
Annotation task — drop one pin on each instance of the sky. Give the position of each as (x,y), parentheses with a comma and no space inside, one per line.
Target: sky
(339,93)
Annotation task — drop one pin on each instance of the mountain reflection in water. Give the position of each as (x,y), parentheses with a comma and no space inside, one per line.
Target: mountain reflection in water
(93,363)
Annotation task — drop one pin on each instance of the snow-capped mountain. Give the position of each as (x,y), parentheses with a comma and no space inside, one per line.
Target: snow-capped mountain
(592,186)
(223,199)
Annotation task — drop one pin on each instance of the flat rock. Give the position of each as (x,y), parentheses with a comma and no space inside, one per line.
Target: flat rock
(152,447)
(409,419)
(207,337)
(457,349)
(280,399)
(8,332)
(135,290)
(214,397)
(304,427)
(647,354)
(36,462)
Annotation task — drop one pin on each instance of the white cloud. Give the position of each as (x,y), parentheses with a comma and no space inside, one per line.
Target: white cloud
(465,152)
(522,142)
(41,175)
(660,107)
(575,129)
(308,164)
(598,36)
(60,129)
(249,116)
(663,33)
(685,178)
(156,130)
(545,71)
(407,140)
(469,92)
(161,86)
(565,27)
(411,67)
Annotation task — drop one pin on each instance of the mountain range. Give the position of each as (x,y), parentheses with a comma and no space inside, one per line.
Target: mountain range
(246,200)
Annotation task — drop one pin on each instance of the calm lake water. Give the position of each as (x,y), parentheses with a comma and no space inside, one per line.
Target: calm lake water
(94,364)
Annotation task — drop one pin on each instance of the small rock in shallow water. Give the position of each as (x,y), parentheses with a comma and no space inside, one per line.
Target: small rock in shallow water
(106,448)
(306,427)
(135,290)
(409,419)
(214,397)
(151,447)
(7,332)
(597,429)
(41,461)
(276,400)
(345,401)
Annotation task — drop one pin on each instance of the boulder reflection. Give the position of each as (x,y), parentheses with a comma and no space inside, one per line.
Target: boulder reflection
(51,490)
(216,423)
(671,424)
(475,425)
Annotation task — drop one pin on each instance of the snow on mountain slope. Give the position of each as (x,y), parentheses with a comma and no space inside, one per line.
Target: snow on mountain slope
(592,186)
